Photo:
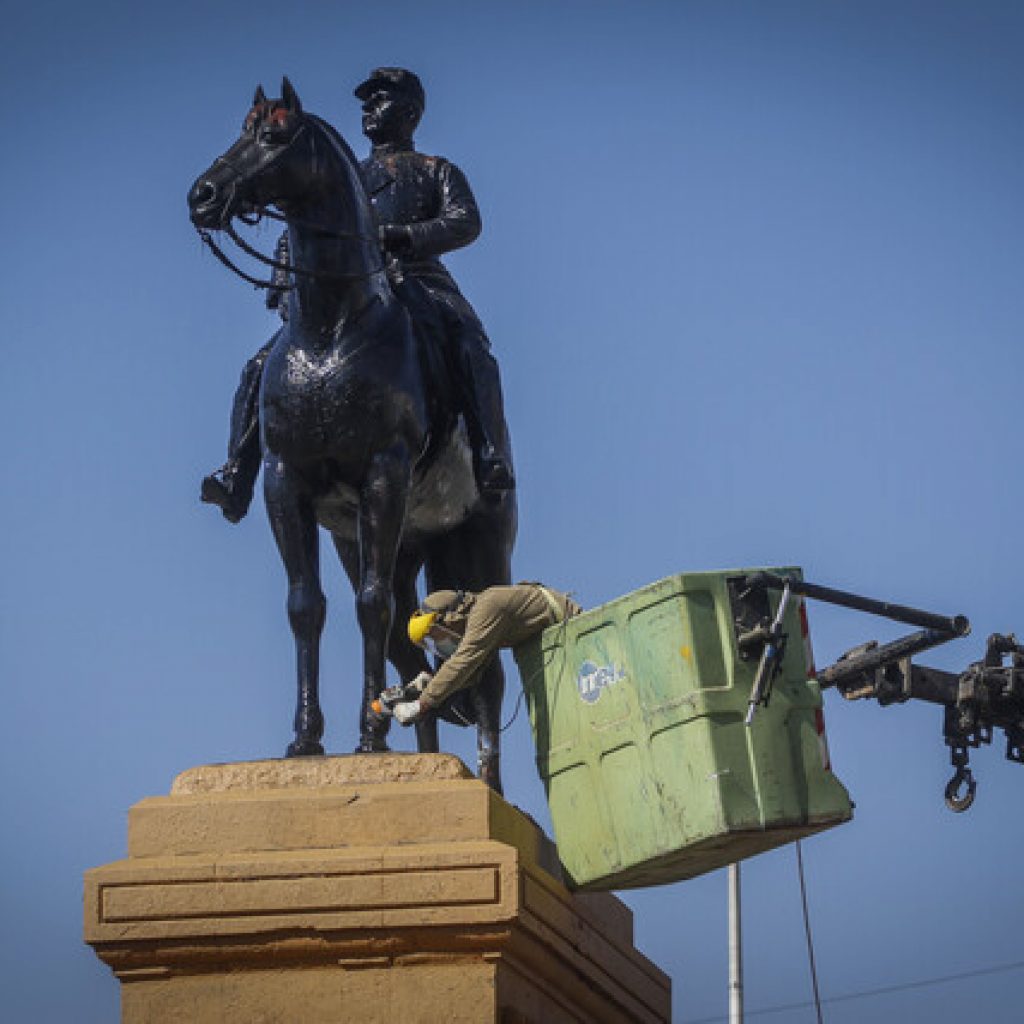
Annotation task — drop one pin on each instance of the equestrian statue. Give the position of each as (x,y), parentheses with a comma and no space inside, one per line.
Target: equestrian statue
(376,409)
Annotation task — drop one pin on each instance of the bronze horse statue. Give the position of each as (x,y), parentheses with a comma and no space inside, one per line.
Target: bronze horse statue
(360,432)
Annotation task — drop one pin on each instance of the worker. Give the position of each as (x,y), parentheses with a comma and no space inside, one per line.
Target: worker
(466,630)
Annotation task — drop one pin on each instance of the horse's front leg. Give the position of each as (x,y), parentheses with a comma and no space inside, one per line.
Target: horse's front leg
(294,524)
(382,501)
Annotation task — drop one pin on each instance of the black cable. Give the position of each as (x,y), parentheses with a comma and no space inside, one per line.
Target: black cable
(866,993)
(807,930)
(519,701)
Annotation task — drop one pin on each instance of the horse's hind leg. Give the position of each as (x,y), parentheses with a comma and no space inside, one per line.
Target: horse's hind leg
(295,530)
(475,556)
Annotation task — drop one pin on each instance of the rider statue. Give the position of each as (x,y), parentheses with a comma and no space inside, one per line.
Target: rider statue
(424,208)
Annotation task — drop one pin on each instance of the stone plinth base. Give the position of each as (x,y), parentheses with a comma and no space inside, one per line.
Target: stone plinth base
(376,888)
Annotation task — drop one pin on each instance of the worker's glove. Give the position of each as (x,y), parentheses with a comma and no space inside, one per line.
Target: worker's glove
(407,713)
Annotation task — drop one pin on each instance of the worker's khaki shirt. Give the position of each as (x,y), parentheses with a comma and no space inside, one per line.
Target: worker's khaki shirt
(497,617)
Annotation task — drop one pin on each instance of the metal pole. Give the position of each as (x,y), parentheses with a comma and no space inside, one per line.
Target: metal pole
(735,948)
(955,624)
(879,657)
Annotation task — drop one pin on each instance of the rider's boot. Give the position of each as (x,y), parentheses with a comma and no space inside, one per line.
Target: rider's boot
(485,418)
(230,487)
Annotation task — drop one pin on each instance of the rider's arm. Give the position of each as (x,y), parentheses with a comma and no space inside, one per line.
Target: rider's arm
(458,219)
(486,629)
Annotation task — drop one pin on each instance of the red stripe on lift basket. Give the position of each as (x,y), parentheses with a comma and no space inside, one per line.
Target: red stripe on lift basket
(819,714)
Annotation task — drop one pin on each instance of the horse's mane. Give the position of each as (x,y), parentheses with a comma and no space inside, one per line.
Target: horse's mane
(348,159)
(335,136)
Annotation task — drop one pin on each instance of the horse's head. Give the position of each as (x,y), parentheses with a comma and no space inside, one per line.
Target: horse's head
(263,168)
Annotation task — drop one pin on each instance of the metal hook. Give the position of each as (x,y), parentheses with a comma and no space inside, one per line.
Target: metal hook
(957,803)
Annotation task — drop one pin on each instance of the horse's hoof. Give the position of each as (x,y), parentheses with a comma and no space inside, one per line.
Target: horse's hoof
(372,745)
(304,748)
(490,774)
(378,722)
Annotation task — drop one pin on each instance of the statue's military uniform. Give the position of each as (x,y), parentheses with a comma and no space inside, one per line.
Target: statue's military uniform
(431,198)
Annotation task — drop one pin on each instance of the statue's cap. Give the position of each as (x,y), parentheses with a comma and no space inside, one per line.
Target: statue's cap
(394,80)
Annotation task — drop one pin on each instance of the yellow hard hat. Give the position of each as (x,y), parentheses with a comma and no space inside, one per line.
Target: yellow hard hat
(419,625)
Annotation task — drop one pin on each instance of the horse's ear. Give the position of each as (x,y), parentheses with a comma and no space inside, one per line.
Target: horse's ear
(290,96)
(259,97)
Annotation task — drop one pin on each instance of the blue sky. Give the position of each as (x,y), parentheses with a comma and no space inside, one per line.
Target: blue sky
(753,276)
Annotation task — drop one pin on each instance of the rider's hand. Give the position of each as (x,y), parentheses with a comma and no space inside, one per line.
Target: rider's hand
(408,712)
(395,238)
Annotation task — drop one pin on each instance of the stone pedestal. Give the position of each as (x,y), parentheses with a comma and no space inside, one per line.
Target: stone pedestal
(383,888)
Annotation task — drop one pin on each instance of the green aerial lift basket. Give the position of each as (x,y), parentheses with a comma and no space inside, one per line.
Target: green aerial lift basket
(637,709)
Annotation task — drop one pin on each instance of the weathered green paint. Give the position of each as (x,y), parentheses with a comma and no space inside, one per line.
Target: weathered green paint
(656,778)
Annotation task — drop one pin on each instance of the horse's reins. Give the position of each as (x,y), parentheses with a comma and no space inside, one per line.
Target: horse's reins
(289,268)
(226,260)
(264,211)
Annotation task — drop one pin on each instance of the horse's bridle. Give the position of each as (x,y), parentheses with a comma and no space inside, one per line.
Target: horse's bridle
(265,211)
